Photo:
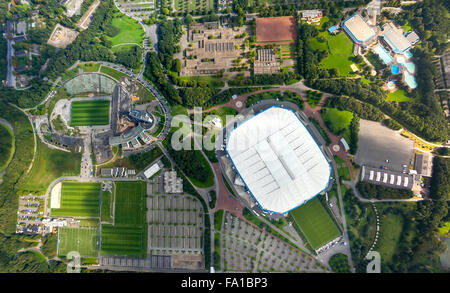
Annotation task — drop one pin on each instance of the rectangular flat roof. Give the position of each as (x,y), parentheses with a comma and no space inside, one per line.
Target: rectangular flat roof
(395,38)
(387,178)
(152,170)
(360,30)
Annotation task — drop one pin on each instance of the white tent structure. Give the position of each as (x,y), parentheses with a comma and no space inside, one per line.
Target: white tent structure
(278,160)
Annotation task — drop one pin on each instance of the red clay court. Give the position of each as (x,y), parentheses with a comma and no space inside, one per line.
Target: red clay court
(276,29)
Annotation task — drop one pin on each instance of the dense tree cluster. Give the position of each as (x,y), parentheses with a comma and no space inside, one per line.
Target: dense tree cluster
(392,124)
(415,116)
(381,192)
(155,74)
(130,57)
(169,34)
(339,263)
(429,19)
(87,46)
(354,130)
(364,111)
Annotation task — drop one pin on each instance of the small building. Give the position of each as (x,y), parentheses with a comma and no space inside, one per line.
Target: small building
(312,15)
(412,37)
(172,183)
(333,30)
(358,30)
(153,169)
(345,144)
(423,164)
(387,178)
(106,172)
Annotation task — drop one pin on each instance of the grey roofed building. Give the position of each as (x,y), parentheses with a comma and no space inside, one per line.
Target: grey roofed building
(395,39)
(126,137)
(172,183)
(21,27)
(423,164)
(106,172)
(311,13)
(412,37)
(387,178)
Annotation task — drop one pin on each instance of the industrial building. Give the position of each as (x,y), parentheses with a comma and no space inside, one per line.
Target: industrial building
(387,178)
(278,160)
(358,30)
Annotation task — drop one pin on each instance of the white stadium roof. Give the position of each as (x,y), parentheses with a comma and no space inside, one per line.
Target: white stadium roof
(278,160)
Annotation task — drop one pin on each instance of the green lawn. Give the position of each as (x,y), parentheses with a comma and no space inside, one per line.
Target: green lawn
(123,241)
(88,113)
(390,232)
(7,146)
(398,96)
(336,120)
(130,30)
(445,229)
(178,110)
(49,165)
(68,74)
(112,72)
(106,206)
(90,67)
(130,203)
(79,200)
(82,240)
(315,223)
(340,50)
(128,235)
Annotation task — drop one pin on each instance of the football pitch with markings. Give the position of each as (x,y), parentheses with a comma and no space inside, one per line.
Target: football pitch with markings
(128,235)
(83,240)
(315,223)
(89,113)
(79,200)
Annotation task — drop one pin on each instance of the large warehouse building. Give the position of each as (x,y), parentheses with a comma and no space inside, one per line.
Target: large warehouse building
(278,160)
(358,30)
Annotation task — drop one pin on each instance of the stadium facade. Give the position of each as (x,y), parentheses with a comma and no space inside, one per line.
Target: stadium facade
(358,30)
(278,160)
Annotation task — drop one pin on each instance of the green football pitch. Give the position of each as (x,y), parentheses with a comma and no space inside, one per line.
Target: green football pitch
(82,240)
(128,235)
(89,113)
(315,223)
(79,200)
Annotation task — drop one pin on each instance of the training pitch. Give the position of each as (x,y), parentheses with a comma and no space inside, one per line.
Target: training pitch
(128,235)
(315,223)
(79,200)
(82,240)
(276,29)
(89,113)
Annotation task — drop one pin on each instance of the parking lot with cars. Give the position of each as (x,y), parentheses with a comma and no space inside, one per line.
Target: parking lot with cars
(247,248)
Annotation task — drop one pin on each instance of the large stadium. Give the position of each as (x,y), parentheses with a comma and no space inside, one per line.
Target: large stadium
(278,160)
